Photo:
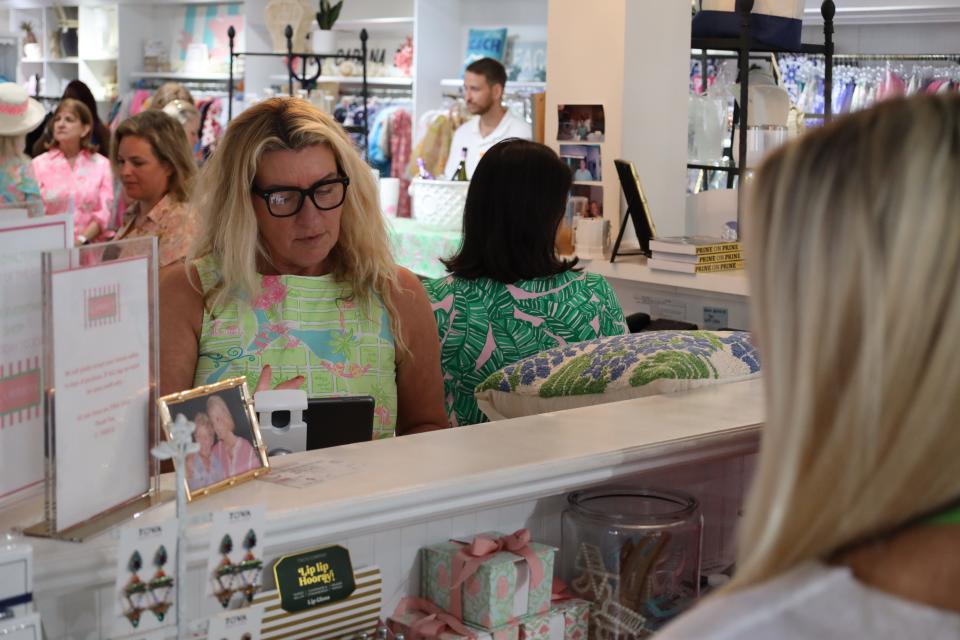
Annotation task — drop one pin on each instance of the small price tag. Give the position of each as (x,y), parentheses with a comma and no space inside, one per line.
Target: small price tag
(313,578)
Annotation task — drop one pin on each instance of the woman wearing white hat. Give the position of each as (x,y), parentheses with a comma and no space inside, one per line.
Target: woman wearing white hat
(19,114)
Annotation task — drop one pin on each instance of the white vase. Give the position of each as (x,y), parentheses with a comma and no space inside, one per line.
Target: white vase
(323,41)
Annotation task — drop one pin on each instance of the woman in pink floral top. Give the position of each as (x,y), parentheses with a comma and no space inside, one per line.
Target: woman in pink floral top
(152,158)
(18,114)
(73,177)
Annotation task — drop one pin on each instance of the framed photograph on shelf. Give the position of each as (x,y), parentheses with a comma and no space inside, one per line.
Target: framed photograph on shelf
(227,431)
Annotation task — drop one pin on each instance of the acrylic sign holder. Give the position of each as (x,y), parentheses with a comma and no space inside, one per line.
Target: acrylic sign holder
(100,352)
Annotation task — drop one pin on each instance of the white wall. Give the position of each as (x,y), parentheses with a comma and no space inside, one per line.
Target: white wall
(655,92)
(637,66)
(592,74)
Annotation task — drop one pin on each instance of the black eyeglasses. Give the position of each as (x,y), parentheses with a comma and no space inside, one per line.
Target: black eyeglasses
(325,195)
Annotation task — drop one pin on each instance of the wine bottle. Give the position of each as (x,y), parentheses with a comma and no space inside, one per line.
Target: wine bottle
(460,175)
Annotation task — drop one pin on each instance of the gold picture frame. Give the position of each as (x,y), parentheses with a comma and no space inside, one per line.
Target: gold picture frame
(224,468)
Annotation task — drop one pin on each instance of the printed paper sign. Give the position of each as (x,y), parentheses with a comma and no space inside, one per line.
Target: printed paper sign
(235,559)
(21,346)
(101,342)
(146,592)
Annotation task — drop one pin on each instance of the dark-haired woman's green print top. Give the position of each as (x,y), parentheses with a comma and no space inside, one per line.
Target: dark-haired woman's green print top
(485,325)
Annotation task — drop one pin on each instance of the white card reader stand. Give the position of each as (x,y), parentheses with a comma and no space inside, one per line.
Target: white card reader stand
(290,438)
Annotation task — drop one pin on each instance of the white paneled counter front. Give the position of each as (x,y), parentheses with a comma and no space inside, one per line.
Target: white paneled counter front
(386,499)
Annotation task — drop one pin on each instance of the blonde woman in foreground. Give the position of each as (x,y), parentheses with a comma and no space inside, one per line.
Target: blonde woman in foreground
(291,281)
(852,526)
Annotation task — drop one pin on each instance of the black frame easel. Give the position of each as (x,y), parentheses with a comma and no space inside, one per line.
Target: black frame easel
(637,210)
(303,78)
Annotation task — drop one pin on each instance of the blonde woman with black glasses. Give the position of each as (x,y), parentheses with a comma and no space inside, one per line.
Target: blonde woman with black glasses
(852,526)
(291,282)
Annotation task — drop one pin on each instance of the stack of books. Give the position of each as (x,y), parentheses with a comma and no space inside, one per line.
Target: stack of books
(695,254)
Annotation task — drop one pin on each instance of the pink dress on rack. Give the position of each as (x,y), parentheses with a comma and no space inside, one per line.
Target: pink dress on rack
(84,190)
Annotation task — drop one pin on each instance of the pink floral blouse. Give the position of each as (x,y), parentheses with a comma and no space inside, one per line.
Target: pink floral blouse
(85,190)
(171,221)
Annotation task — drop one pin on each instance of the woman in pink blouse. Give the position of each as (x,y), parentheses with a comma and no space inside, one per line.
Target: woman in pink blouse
(73,177)
(152,159)
(236,454)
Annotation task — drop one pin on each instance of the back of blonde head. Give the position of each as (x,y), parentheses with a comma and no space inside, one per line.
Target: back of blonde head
(854,250)
(227,221)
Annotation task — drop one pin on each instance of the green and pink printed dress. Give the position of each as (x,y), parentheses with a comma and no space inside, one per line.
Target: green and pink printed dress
(485,325)
(307,326)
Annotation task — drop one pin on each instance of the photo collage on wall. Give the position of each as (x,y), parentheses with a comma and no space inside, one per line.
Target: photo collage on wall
(580,130)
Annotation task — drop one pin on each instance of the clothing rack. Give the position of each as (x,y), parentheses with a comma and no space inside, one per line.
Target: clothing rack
(302,77)
(897,57)
(744,47)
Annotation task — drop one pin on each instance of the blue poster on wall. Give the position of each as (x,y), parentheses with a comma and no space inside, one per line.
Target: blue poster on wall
(527,62)
(485,43)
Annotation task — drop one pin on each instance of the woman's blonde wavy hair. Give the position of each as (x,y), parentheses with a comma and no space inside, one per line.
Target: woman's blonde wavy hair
(853,240)
(228,225)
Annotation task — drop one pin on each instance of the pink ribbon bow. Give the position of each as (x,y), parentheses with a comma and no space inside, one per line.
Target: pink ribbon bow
(481,549)
(434,622)
(560,591)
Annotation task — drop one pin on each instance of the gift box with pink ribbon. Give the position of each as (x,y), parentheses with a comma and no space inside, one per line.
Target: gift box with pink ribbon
(566,620)
(489,581)
(420,619)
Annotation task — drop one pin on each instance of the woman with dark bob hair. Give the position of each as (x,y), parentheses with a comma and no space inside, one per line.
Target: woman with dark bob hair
(509,295)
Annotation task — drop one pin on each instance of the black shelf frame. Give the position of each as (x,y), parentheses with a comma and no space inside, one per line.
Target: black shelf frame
(307,81)
(743,47)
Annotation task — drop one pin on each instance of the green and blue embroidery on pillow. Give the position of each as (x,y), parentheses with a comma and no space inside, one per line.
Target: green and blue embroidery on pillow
(634,360)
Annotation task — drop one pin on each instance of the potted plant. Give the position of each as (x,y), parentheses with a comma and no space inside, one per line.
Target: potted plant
(31,48)
(323,40)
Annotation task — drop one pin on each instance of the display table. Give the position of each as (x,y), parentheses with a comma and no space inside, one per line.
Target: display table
(709,300)
(419,247)
(386,499)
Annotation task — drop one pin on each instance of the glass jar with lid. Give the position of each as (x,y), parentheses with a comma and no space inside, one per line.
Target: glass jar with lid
(635,553)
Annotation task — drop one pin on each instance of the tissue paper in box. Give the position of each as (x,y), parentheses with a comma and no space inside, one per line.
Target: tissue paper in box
(490,581)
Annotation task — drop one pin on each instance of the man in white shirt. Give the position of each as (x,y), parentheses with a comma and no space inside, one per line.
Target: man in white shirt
(483,84)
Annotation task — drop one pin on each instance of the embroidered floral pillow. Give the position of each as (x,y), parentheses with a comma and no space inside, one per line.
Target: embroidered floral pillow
(617,368)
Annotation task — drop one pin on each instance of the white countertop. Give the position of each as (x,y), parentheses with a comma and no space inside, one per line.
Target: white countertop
(400,480)
(635,268)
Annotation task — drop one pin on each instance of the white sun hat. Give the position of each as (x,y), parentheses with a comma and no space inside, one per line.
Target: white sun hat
(19,113)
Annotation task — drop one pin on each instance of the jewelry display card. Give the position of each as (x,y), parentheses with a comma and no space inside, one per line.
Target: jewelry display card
(243,624)
(21,346)
(145,593)
(235,559)
(101,356)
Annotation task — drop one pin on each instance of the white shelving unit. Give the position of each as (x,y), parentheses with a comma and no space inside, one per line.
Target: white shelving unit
(456,83)
(96,61)
(382,81)
(180,75)
(376,24)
